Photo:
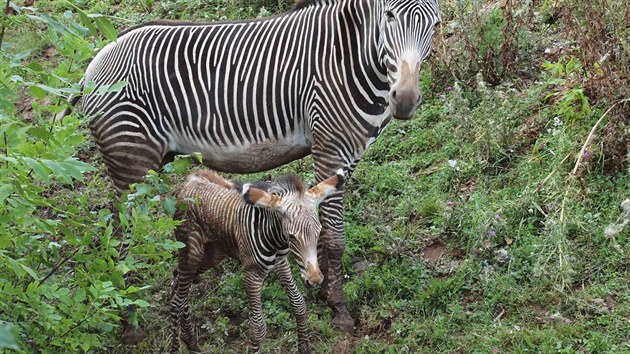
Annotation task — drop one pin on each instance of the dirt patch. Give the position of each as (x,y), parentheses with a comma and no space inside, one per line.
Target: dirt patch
(434,251)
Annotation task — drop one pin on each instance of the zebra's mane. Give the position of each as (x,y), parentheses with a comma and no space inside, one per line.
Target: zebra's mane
(289,183)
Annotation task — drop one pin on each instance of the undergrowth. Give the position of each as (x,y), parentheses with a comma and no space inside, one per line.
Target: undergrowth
(489,223)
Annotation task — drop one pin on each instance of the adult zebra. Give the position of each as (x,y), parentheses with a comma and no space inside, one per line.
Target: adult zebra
(322,79)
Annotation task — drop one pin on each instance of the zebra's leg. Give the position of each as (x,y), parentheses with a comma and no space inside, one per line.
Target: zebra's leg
(283,271)
(129,152)
(332,242)
(191,259)
(253,278)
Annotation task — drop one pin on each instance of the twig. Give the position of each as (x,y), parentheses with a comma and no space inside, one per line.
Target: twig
(581,153)
(54,270)
(590,135)
(4,21)
(76,325)
(541,184)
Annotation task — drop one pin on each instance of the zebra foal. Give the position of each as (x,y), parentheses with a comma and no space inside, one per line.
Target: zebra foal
(258,224)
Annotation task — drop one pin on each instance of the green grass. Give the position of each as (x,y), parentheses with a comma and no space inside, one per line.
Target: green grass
(481,172)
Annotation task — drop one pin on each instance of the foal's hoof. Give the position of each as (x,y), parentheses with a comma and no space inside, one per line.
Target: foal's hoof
(132,335)
(343,322)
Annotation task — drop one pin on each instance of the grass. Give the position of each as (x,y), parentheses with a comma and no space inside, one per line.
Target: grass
(482,177)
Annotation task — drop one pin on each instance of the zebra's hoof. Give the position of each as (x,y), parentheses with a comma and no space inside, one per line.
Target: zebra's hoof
(343,322)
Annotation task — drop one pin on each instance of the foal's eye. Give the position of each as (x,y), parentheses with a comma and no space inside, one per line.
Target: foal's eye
(390,16)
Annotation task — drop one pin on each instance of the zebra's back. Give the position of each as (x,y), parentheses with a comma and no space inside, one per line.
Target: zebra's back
(207,89)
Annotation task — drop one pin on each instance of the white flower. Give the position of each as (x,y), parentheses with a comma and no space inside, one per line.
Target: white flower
(453,164)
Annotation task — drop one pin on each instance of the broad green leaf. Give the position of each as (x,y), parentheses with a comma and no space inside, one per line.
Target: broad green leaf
(30,271)
(38,92)
(53,90)
(5,191)
(85,20)
(142,303)
(38,168)
(172,245)
(111,88)
(8,336)
(105,26)
(35,67)
(169,204)
(42,134)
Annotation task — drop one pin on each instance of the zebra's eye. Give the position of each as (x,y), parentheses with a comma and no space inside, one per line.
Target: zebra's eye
(390,16)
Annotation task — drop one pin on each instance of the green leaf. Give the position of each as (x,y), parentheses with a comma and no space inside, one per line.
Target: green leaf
(38,92)
(170,204)
(198,156)
(30,271)
(85,20)
(141,303)
(105,26)
(42,134)
(38,168)
(111,88)
(16,267)
(8,336)
(5,191)
(35,67)
(172,245)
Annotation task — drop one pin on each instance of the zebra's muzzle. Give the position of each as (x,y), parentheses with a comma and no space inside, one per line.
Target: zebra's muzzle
(404,94)
(313,275)
(404,109)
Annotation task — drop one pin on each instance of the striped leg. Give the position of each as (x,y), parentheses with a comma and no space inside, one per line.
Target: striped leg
(190,259)
(332,241)
(129,151)
(283,271)
(253,281)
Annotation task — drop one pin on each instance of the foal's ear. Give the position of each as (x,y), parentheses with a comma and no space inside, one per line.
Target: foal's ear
(327,187)
(260,198)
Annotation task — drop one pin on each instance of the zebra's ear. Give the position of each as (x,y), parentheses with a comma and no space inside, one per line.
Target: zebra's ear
(327,187)
(260,198)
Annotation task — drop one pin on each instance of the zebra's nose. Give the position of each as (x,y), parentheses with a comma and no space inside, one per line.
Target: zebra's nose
(404,103)
(314,275)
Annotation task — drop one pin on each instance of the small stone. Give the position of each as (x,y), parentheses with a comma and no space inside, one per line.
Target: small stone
(598,301)
(360,267)
(502,255)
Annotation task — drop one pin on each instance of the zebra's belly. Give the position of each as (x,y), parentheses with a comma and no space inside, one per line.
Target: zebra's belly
(251,157)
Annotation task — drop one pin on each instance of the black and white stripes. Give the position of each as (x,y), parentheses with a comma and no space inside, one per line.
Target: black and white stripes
(323,79)
(257,224)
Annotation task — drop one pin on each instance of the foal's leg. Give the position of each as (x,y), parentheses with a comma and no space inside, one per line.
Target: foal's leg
(283,271)
(190,259)
(253,278)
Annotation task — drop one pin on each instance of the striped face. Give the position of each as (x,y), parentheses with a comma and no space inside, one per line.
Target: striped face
(407,27)
(299,218)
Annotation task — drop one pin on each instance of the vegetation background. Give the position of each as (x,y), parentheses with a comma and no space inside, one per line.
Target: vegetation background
(492,222)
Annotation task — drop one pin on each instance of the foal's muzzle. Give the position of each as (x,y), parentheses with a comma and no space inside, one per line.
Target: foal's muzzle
(313,276)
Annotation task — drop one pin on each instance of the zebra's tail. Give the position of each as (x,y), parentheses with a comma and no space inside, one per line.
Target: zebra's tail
(72,99)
